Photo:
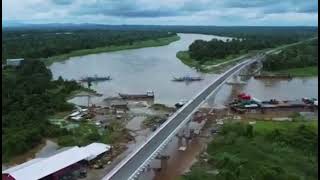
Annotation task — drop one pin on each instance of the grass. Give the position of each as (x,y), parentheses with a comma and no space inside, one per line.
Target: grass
(300,72)
(210,65)
(151,120)
(135,45)
(274,150)
(162,107)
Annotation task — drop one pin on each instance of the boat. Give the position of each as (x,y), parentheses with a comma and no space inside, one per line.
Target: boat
(187,78)
(95,78)
(149,94)
(280,76)
(180,104)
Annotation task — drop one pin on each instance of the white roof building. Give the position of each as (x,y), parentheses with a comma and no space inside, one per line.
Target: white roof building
(95,149)
(14,62)
(41,167)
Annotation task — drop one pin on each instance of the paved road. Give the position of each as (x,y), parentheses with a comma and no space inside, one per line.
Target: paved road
(131,165)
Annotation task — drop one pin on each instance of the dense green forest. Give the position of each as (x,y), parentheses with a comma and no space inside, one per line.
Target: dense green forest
(298,56)
(203,51)
(28,97)
(231,31)
(264,151)
(43,43)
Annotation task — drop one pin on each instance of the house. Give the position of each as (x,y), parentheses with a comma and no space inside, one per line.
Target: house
(58,165)
(14,62)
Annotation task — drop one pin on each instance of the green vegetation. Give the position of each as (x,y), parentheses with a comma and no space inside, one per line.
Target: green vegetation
(152,120)
(297,60)
(134,45)
(162,107)
(62,44)
(301,72)
(209,66)
(211,55)
(264,151)
(87,133)
(184,56)
(29,96)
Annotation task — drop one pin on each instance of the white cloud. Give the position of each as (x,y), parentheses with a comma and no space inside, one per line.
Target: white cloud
(188,12)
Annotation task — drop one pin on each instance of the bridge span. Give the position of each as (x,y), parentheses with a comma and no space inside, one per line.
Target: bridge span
(133,164)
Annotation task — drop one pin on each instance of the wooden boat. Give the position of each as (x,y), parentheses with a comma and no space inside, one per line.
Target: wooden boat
(149,94)
(273,76)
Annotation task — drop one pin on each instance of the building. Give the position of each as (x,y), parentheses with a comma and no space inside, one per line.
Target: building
(58,165)
(14,62)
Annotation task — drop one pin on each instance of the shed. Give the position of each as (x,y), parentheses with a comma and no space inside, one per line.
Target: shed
(39,168)
(56,165)
(94,150)
(14,62)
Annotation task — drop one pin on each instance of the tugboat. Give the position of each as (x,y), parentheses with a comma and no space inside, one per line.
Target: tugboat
(95,78)
(187,78)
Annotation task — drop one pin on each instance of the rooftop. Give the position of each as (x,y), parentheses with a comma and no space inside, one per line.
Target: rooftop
(41,167)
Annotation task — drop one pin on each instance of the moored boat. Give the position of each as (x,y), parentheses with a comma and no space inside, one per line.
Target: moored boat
(149,94)
(187,78)
(95,78)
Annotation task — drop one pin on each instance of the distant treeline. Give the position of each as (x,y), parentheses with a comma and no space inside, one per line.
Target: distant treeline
(234,31)
(29,96)
(203,51)
(43,43)
(298,56)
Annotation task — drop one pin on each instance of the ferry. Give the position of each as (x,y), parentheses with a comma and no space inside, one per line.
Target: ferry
(187,78)
(95,78)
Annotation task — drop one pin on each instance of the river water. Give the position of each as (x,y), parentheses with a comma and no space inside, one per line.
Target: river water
(140,70)
(137,71)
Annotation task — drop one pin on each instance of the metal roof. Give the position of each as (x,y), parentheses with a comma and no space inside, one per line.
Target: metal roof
(42,167)
(47,166)
(95,149)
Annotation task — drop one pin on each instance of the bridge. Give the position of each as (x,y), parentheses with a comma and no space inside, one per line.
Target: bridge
(136,162)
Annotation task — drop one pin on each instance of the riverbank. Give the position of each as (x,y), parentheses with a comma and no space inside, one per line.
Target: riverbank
(134,45)
(260,150)
(209,66)
(296,72)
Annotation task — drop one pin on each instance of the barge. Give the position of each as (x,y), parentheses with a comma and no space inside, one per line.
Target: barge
(187,78)
(284,76)
(95,78)
(148,95)
(246,103)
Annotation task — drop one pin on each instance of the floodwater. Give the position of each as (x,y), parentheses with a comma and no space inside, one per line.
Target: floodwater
(137,71)
(140,70)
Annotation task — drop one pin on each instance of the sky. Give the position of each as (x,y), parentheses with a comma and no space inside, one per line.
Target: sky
(163,12)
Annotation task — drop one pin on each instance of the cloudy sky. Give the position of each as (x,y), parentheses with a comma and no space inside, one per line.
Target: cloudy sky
(163,12)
